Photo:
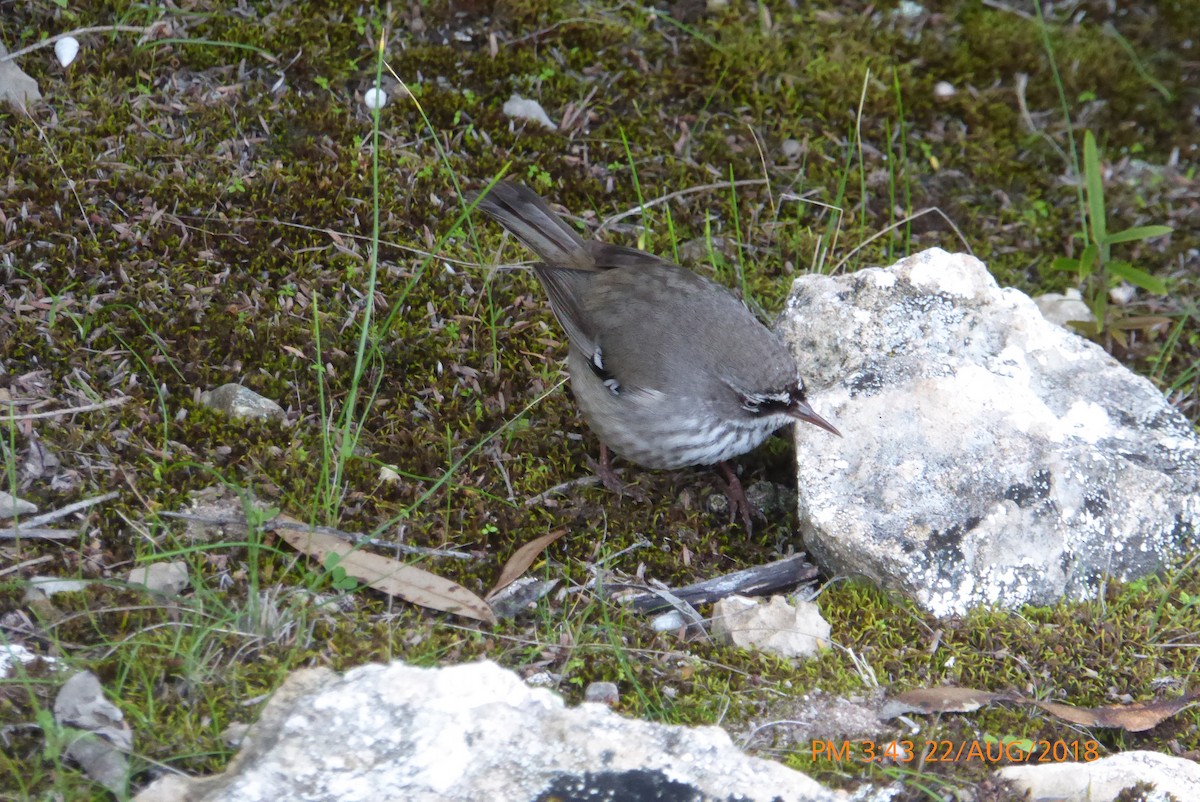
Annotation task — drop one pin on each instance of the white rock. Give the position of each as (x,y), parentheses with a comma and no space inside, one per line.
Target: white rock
(81,704)
(474,732)
(604,693)
(242,402)
(66,49)
(775,626)
(50,585)
(168,578)
(1122,294)
(1062,308)
(520,108)
(16,88)
(989,456)
(943,90)
(11,506)
(375,98)
(670,621)
(13,653)
(1103,780)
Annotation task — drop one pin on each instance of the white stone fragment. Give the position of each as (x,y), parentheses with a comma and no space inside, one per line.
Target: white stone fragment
(66,49)
(50,585)
(520,108)
(944,90)
(11,506)
(779,626)
(375,98)
(242,402)
(168,578)
(1063,308)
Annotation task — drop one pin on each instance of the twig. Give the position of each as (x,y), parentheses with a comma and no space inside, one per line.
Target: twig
(757,581)
(582,481)
(746,182)
(37,533)
(35,561)
(63,512)
(80,32)
(54,413)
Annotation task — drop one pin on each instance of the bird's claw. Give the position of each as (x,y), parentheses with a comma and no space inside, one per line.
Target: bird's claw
(739,505)
(608,477)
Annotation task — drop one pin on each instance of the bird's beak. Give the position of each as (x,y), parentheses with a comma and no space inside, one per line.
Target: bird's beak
(800,410)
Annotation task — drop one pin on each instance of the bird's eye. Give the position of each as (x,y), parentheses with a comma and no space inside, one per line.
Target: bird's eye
(766,403)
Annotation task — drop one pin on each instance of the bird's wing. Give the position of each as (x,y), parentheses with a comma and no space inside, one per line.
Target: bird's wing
(564,287)
(610,257)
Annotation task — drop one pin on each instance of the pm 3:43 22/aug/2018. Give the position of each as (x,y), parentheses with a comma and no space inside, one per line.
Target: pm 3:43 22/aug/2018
(951,751)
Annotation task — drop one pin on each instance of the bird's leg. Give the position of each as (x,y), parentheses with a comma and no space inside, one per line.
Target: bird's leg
(738,504)
(609,477)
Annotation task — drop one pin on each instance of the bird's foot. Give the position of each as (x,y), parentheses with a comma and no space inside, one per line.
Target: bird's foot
(609,478)
(738,503)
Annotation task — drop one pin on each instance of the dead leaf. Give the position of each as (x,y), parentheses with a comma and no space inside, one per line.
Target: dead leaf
(523,558)
(389,576)
(1137,717)
(948,699)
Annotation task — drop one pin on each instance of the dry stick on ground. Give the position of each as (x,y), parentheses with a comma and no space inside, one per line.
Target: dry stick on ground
(27,563)
(757,581)
(63,512)
(32,527)
(582,481)
(37,533)
(57,413)
(142,29)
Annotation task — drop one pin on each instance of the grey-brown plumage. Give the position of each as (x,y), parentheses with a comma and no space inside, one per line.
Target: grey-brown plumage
(668,368)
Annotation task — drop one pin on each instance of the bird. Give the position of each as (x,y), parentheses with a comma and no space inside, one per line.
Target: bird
(668,368)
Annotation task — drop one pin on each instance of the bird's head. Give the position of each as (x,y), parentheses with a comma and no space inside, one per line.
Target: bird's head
(790,402)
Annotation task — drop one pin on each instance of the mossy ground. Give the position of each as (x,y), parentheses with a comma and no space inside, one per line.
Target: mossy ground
(178,216)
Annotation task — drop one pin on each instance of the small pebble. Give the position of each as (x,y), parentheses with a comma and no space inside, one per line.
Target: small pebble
(66,49)
(374,98)
(606,693)
(670,621)
(1122,294)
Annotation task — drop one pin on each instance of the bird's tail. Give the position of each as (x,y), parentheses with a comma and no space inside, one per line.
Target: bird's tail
(528,218)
